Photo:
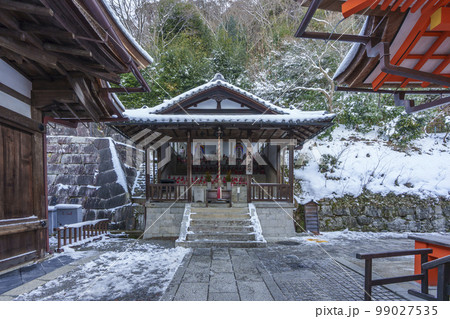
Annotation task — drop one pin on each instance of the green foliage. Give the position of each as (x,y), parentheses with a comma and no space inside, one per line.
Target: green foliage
(251,44)
(208,177)
(362,112)
(328,163)
(407,128)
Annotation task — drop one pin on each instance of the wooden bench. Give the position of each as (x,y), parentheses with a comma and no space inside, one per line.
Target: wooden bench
(211,195)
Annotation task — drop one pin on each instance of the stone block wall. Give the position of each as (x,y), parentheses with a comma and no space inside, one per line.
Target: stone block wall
(276,222)
(163,220)
(85,167)
(373,212)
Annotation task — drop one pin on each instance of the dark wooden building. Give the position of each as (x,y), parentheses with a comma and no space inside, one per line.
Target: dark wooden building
(57,59)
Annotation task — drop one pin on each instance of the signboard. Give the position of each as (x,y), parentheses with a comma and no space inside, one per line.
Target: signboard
(249,161)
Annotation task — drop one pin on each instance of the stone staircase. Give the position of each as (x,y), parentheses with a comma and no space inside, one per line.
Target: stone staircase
(138,189)
(220,226)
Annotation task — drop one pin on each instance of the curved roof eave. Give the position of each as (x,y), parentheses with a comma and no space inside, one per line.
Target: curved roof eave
(139,54)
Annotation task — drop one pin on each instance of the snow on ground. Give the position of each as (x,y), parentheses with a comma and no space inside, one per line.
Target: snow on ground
(368,162)
(346,235)
(126,269)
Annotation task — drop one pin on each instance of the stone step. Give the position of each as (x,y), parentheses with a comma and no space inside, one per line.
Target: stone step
(207,236)
(218,216)
(220,229)
(221,222)
(218,243)
(220,205)
(216,210)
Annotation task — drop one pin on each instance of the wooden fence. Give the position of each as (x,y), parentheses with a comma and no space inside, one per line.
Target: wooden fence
(167,192)
(269,192)
(72,233)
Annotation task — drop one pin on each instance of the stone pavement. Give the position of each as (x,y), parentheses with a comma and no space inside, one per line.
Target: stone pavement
(285,272)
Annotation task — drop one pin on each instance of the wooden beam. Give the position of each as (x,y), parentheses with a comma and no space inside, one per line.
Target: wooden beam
(67,50)
(354,6)
(28,51)
(13,33)
(16,120)
(25,7)
(440,20)
(428,54)
(46,30)
(6,89)
(42,98)
(11,23)
(83,93)
(40,70)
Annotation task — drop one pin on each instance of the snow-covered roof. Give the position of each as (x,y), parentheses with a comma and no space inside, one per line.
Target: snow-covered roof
(144,115)
(217,81)
(125,32)
(284,115)
(351,55)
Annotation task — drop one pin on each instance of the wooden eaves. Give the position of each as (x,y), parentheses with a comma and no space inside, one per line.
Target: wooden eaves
(70,51)
(376,52)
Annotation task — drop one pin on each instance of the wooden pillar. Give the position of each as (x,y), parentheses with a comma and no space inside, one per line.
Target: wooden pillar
(279,181)
(158,170)
(249,188)
(291,169)
(189,165)
(147,176)
(154,167)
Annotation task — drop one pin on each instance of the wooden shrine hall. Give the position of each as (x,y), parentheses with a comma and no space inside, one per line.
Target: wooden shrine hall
(218,133)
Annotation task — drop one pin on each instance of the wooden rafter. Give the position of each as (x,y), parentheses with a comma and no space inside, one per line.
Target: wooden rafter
(412,39)
(427,55)
(439,69)
(20,6)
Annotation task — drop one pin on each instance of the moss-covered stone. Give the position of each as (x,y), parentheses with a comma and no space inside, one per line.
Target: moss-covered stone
(376,212)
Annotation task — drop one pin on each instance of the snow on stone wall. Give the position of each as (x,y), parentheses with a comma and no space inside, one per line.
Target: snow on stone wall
(89,170)
(373,185)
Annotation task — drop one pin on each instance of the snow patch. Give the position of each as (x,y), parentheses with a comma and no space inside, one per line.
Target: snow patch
(121,179)
(366,162)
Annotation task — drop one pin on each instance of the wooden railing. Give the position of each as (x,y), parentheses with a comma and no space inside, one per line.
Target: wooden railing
(167,192)
(443,283)
(270,192)
(369,282)
(72,233)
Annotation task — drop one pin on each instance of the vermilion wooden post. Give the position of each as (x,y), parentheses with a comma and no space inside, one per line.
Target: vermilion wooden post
(84,231)
(79,233)
(70,235)
(75,238)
